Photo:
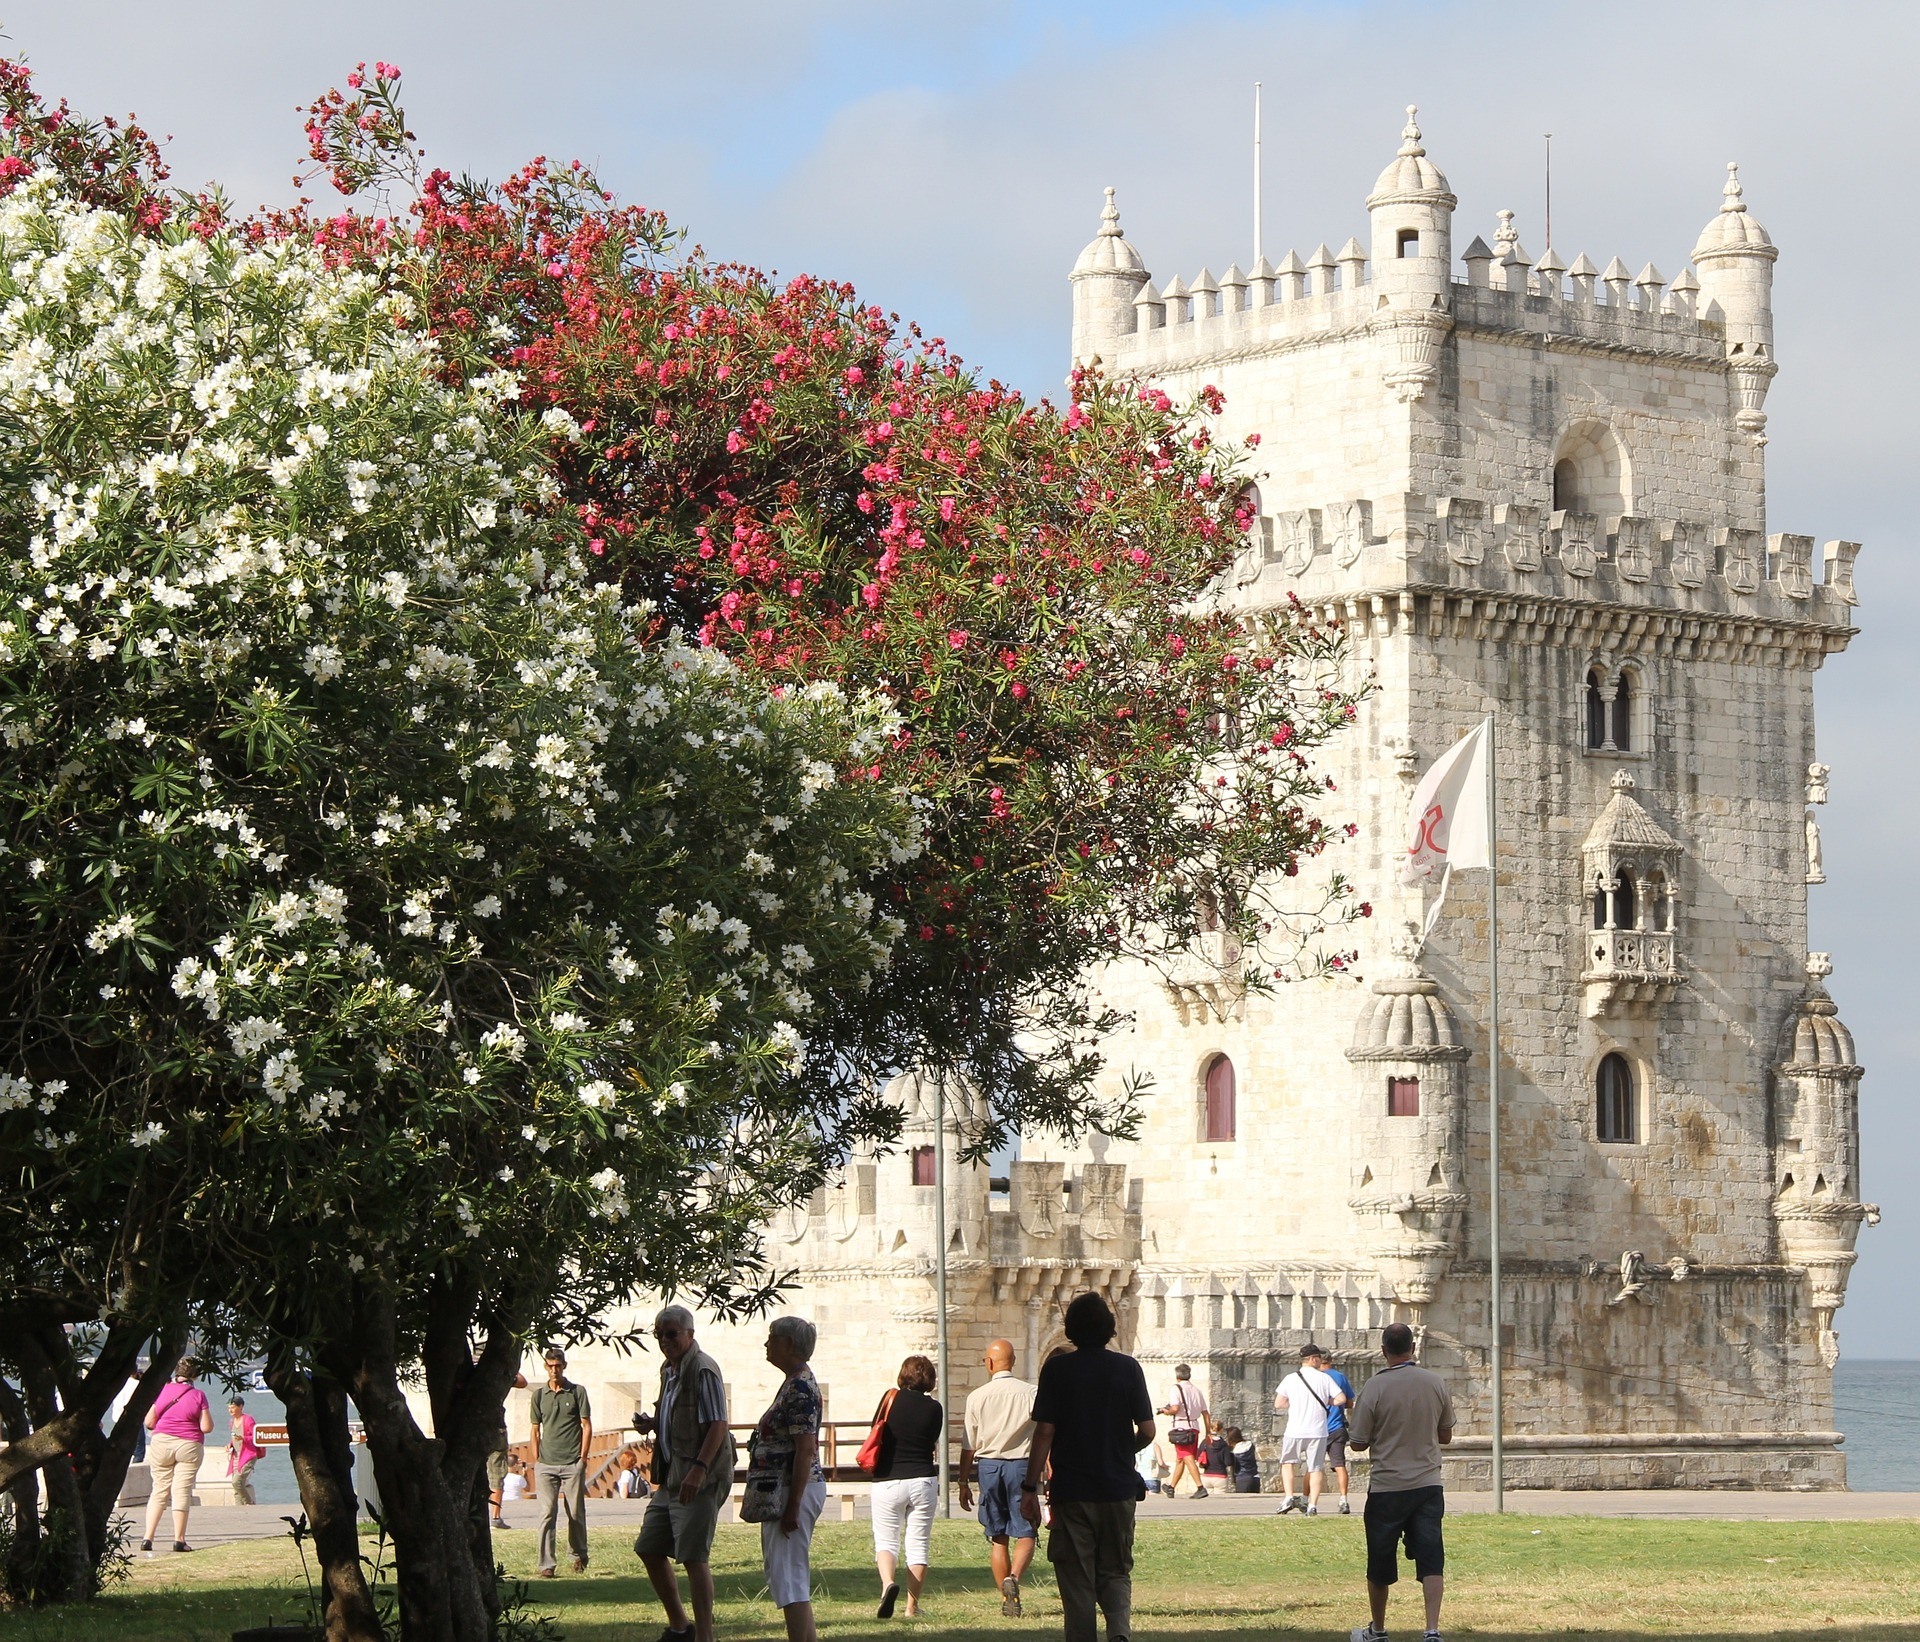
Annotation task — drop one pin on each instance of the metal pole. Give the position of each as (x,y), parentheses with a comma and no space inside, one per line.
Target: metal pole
(1549,190)
(940,1270)
(1493,1120)
(1256,170)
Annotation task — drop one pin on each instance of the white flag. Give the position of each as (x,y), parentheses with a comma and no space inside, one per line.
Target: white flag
(1448,825)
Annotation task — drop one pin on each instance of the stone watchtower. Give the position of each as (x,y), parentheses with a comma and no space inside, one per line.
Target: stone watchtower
(1536,490)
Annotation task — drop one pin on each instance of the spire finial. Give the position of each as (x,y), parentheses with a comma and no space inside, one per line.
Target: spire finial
(1506,236)
(1410,135)
(1622,782)
(1110,217)
(1732,195)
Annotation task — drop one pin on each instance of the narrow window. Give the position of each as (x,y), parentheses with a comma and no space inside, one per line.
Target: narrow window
(1600,907)
(1566,486)
(1220,1099)
(1596,710)
(1624,903)
(1614,1114)
(1403,1097)
(923,1165)
(1623,713)
(1409,242)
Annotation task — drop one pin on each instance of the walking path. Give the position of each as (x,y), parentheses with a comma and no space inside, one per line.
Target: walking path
(221,1524)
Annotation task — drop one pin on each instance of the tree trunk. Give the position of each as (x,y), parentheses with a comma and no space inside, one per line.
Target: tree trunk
(25,1491)
(69,1576)
(440,1595)
(66,1406)
(323,1466)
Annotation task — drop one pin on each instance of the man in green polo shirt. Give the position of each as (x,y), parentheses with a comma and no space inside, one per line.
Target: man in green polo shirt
(562,1431)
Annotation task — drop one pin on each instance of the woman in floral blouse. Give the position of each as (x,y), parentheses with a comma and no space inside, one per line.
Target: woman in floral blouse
(786,1442)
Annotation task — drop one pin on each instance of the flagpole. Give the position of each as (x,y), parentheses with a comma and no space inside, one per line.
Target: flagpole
(940,1273)
(1493,1120)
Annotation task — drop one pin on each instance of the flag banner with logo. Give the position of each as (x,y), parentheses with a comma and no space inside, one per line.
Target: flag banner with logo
(1447,823)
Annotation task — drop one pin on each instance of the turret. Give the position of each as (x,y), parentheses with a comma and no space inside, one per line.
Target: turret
(1408,1130)
(1412,213)
(1106,279)
(1735,261)
(1816,1120)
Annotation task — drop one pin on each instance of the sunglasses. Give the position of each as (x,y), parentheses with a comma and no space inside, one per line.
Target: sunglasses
(667,1333)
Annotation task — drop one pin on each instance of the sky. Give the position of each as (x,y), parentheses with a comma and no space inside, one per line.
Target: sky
(948,159)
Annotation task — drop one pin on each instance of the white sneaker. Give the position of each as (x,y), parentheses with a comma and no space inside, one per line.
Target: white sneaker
(1366,1633)
(1291,1503)
(1346,1510)
(1313,1510)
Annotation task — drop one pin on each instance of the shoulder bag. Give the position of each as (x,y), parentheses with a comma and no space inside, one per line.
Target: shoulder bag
(868,1459)
(1183,1436)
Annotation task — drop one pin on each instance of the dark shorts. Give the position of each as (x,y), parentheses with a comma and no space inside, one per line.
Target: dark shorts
(1336,1449)
(999,1501)
(1412,1515)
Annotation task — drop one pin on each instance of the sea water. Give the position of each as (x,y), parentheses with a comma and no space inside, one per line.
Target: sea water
(1877,1404)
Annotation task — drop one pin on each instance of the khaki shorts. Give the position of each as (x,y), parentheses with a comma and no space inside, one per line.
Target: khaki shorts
(683,1532)
(174,1466)
(496,1470)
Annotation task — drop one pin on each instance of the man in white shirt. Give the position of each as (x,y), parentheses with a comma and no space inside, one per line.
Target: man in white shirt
(1186,1410)
(1306,1397)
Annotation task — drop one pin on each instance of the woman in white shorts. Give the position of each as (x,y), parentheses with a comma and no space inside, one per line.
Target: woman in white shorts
(788,1437)
(906,1483)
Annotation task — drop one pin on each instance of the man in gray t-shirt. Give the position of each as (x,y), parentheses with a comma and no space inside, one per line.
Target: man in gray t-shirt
(1403,1416)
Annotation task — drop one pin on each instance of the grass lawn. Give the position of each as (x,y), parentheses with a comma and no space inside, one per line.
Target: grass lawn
(1249,1577)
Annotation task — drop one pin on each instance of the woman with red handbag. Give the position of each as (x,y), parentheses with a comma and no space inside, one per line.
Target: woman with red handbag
(899,1455)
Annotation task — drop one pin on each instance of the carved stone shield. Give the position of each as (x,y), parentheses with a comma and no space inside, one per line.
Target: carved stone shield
(1741,559)
(1297,543)
(1345,532)
(1462,524)
(1103,1208)
(1686,556)
(1576,533)
(1633,548)
(1035,1188)
(1522,536)
(1793,565)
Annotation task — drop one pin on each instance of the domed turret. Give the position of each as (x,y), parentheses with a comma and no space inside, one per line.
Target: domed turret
(1409,1128)
(1816,1203)
(1412,213)
(1735,261)
(1107,277)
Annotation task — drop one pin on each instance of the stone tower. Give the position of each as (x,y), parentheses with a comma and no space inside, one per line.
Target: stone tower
(1536,491)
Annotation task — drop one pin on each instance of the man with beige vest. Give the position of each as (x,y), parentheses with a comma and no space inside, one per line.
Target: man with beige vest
(693,1462)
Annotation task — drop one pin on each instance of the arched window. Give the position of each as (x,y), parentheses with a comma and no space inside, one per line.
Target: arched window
(1623,713)
(1219,1118)
(1596,709)
(1600,906)
(1625,907)
(1614,1116)
(1566,486)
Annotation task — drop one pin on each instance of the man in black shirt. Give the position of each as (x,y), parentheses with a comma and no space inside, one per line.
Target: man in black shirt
(1091,1415)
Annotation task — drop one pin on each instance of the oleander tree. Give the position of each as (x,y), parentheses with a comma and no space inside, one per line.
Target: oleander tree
(403,930)
(1113,760)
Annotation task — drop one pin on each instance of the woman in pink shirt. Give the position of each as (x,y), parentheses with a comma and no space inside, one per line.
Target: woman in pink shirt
(243,1451)
(179,1420)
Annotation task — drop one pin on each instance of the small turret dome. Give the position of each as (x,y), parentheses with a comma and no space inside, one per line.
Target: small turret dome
(1109,252)
(1410,174)
(1819,1039)
(1406,1018)
(1734,229)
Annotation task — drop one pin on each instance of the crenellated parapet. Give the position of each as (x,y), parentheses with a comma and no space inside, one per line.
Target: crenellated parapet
(1382,546)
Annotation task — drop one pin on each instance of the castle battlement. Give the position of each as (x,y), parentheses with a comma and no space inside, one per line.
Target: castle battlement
(1687,568)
